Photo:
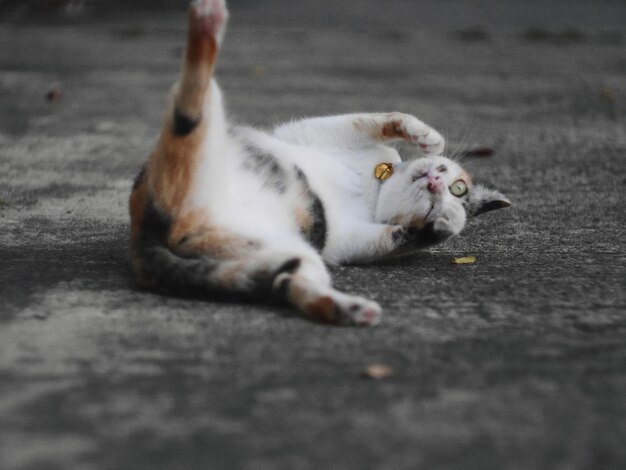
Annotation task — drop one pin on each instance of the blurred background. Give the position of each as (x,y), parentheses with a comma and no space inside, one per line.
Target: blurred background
(502,15)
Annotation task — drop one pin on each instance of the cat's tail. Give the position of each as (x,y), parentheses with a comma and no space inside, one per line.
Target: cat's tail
(205,261)
(163,270)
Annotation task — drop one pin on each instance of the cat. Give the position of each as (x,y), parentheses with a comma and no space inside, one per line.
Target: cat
(234,211)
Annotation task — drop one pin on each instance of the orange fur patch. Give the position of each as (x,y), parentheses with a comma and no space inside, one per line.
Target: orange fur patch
(321,309)
(391,130)
(387,131)
(303,219)
(228,277)
(189,225)
(201,47)
(173,166)
(214,242)
(200,57)
(192,233)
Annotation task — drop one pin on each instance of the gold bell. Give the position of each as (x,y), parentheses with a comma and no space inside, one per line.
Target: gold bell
(383,171)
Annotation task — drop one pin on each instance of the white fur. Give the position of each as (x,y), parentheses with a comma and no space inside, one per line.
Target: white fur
(338,155)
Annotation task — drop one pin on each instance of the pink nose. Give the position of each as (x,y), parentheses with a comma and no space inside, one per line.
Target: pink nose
(435,184)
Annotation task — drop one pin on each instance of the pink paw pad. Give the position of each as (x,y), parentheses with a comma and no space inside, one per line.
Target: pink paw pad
(209,16)
(370,317)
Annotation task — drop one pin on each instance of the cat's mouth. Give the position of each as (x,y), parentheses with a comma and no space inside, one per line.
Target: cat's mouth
(417,223)
(421,223)
(432,206)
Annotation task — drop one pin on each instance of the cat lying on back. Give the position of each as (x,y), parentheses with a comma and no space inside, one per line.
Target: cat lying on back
(219,209)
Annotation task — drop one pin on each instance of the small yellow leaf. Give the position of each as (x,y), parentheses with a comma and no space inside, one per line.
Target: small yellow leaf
(464,260)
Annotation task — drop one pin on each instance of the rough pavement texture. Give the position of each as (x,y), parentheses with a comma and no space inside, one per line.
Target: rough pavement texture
(517,361)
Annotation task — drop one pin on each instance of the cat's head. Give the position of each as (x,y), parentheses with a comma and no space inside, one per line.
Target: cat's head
(434,190)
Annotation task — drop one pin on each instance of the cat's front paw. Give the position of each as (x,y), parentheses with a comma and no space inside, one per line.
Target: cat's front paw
(423,136)
(432,233)
(398,235)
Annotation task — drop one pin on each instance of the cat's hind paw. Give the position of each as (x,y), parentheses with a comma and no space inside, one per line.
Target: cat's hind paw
(343,309)
(358,311)
(208,17)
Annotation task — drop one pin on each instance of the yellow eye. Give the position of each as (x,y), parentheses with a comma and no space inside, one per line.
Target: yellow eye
(459,188)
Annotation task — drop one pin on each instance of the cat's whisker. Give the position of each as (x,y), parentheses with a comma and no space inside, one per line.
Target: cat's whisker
(457,154)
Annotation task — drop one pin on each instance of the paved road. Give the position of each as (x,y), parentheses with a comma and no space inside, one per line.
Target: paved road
(517,361)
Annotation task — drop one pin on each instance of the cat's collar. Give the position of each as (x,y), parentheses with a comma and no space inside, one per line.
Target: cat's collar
(383,171)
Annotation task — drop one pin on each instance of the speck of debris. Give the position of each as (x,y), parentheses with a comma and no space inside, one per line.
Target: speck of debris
(54,94)
(377,371)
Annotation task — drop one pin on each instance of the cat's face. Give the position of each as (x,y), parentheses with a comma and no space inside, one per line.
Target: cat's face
(433,189)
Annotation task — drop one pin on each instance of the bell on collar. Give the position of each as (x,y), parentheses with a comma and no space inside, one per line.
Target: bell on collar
(383,171)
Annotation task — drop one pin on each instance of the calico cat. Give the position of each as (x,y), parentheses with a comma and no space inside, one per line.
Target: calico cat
(224,210)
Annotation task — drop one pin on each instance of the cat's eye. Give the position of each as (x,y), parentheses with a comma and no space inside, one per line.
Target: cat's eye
(419,175)
(459,188)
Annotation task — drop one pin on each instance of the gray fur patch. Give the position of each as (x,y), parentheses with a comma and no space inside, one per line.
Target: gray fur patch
(268,168)
(317,234)
(481,200)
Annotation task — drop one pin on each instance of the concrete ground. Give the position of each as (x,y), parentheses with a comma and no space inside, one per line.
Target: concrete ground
(515,362)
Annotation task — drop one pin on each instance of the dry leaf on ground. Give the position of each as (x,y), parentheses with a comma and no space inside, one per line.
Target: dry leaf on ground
(378,371)
(464,260)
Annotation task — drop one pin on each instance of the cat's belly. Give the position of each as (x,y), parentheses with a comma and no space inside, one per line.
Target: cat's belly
(253,209)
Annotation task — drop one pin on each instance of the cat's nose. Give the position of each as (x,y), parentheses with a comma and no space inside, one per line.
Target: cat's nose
(435,183)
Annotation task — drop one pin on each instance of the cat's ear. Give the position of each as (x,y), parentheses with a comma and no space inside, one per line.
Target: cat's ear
(481,200)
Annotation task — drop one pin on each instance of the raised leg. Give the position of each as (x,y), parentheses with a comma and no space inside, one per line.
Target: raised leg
(362,130)
(207,20)
(162,215)
(194,110)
